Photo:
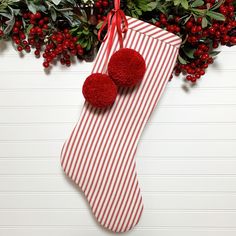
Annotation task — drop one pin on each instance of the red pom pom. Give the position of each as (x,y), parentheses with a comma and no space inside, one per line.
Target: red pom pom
(99,90)
(126,67)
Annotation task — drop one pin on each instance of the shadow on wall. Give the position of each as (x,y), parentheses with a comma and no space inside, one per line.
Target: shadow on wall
(3,46)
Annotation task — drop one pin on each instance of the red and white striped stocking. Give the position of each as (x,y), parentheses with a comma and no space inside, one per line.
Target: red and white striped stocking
(99,154)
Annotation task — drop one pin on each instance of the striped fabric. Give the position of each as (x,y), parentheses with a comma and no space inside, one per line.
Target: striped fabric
(99,154)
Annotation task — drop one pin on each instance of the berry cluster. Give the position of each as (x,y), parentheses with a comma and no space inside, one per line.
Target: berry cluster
(171,24)
(200,39)
(101,6)
(19,37)
(202,25)
(226,27)
(196,68)
(37,33)
(61,45)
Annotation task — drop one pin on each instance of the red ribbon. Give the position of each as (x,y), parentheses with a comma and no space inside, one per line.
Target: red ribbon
(115,19)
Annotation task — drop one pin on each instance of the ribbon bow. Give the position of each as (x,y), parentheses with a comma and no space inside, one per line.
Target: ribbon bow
(115,20)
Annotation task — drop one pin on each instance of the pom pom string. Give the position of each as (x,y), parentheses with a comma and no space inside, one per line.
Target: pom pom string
(115,20)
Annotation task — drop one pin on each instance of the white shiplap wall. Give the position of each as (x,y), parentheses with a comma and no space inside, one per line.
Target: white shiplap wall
(186,158)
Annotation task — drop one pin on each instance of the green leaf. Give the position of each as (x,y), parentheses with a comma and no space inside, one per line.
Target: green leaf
(99,25)
(182,60)
(185,4)
(86,32)
(10,23)
(197,3)
(89,45)
(73,30)
(32,7)
(138,11)
(29,28)
(151,6)
(214,53)
(217,5)
(216,15)
(56,2)
(189,52)
(199,12)
(186,19)
(53,14)
(177,2)
(204,22)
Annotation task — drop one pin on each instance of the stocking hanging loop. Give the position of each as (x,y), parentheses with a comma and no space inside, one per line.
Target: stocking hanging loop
(115,20)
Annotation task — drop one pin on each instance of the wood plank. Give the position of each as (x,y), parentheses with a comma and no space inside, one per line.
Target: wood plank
(148,184)
(202,114)
(155,201)
(154,131)
(145,166)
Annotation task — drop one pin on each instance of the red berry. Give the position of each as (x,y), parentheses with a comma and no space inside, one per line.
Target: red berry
(231,8)
(157,24)
(62,60)
(205,56)
(39,31)
(198,52)
(189,77)
(32,30)
(210,60)
(226,38)
(41,22)
(25,15)
(46,64)
(68,63)
(31,41)
(211,30)
(15,30)
(36,52)
(17,41)
(217,34)
(46,19)
(233,39)
(223,10)
(75,39)
(202,72)
(194,29)
(189,24)
(18,24)
(22,36)
(199,20)
(199,28)
(105,3)
(45,26)
(25,42)
(38,15)
(98,4)
(27,48)
(215,44)
(53,37)
(163,21)
(20,48)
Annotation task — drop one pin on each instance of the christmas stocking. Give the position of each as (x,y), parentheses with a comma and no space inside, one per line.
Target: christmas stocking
(99,154)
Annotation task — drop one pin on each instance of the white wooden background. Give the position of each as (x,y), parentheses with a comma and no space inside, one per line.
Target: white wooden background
(186,158)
